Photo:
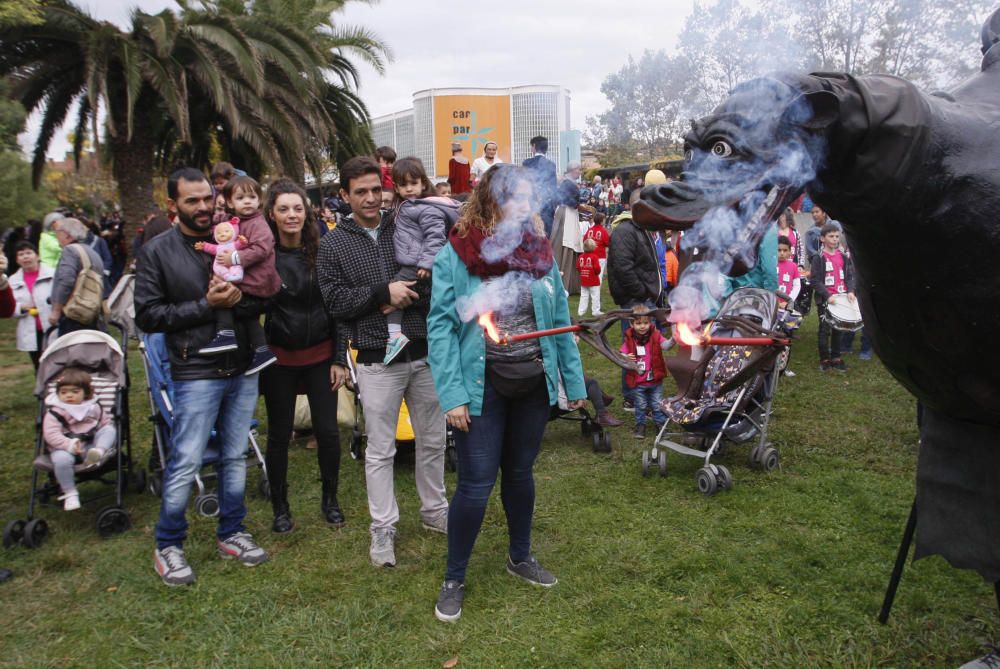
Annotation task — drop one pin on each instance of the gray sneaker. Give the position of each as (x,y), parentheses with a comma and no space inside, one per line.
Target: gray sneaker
(990,661)
(172,567)
(242,547)
(439,524)
(383,548)
(531,571)
(449,605)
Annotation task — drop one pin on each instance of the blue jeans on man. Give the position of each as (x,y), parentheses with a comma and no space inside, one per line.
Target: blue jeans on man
(199,406)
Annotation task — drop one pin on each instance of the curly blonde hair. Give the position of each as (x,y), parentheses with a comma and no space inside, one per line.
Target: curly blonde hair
(483,210)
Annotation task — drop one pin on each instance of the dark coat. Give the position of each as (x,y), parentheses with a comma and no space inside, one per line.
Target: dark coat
(297,317)
(633,271)
(170,286)
(544,172)
(354,273)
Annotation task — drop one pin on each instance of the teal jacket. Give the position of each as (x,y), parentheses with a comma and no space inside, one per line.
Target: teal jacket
(457,354)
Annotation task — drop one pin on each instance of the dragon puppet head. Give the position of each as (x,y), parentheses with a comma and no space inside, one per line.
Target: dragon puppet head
(743,165)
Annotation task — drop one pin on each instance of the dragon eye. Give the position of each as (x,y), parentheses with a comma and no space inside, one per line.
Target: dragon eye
(722,149)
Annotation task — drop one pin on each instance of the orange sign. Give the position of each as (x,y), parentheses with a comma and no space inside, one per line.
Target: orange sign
(470,120)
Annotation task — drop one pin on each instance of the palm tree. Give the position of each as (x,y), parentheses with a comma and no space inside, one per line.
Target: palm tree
(270,80)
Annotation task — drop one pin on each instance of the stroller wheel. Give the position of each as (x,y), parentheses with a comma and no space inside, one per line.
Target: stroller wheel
(755,457)
(645,463)
(606,435)
(587,426)
(724,477)
(112,520)
(13,533)
(156,483)
(36,532)
(207,505)
(707,483)
(264,487)
(770,459)
(662,462)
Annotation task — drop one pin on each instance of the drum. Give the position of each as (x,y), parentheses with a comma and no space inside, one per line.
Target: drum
(843,315)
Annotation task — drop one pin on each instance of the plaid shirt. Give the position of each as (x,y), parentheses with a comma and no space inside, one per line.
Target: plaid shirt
(354,273)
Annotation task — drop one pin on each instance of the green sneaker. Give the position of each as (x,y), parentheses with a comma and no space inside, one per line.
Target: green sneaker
(394,348)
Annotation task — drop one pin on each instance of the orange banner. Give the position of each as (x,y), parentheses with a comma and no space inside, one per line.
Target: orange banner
(470,120)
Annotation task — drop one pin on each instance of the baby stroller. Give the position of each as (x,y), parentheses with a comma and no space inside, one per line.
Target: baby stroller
(104,359)
(160,390)
(724,391)
(592,431)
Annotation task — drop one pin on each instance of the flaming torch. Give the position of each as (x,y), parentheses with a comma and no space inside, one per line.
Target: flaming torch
(688,337)
(489,325)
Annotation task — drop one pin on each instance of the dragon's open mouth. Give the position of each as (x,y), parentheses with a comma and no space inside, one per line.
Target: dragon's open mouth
(678,206)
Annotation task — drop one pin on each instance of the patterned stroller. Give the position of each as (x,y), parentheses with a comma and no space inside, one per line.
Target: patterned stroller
(104,359)
(724,391)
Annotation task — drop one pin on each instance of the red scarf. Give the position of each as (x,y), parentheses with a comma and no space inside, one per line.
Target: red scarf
(533,255)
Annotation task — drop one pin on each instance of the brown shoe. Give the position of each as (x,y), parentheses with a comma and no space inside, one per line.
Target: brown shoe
(605,419)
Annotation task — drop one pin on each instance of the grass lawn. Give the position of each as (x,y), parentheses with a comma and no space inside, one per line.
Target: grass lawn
(786,570)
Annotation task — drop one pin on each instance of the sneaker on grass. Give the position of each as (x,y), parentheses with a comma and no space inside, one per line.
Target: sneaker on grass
(628,406)
(394,348)
(438,524)
(242,547)
(172,566)
(449,604)
(531,571)
(383,547)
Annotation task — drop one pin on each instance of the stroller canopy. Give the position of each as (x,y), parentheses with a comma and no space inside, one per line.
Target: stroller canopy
(92,351)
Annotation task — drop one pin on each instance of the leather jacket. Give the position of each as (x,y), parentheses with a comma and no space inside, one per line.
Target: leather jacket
(297,317)
(170,286)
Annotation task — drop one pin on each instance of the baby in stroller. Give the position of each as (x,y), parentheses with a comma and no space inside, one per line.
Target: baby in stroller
(76,430)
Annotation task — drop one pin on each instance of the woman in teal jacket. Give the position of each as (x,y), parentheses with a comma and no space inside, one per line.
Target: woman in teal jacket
(498,397)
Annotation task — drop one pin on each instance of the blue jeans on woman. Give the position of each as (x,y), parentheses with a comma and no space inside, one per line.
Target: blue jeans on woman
(506,437)
(199,405)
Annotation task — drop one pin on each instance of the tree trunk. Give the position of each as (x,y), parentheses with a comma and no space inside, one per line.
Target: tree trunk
(133,170)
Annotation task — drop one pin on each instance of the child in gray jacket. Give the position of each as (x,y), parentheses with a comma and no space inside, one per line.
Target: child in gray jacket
(423,220)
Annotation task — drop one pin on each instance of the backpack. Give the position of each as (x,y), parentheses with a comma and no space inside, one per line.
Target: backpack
(87,301)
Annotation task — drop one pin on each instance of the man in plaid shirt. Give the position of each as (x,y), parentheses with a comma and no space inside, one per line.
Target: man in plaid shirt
(355,267)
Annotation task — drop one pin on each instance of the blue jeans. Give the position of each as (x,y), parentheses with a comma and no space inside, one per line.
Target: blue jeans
(506,437)
(648,397)
(199,406)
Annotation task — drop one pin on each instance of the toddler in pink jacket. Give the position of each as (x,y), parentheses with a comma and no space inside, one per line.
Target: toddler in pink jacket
(76,430)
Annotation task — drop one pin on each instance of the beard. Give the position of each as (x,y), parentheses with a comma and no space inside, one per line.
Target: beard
(193,223)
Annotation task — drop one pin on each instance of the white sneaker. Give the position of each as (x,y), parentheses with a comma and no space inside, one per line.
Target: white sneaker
(383,547)
(71,501)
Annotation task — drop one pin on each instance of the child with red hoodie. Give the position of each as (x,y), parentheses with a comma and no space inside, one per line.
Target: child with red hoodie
(601,238)
(589,267)
(644,344)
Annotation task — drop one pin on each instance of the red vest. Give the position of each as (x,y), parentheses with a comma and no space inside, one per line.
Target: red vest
(654,355)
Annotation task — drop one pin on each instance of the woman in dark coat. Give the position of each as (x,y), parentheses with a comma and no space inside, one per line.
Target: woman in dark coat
(301,335)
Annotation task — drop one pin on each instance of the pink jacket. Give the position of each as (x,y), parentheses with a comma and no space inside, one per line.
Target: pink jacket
(260,278)
(92,417)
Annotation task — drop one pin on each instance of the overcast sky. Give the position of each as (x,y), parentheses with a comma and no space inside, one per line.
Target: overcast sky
(449,43)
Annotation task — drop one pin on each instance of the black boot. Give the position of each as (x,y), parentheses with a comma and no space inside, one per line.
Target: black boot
(331,507)
(283,522)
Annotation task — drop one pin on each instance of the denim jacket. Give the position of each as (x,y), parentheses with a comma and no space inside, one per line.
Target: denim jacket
(457,352)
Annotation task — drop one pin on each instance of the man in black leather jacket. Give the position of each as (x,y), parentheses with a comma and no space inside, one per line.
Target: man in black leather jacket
(177,293)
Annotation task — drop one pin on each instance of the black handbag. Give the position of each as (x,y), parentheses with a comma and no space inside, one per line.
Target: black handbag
(515,379)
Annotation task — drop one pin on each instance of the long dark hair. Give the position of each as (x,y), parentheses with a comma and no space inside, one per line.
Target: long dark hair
(310,234)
